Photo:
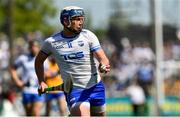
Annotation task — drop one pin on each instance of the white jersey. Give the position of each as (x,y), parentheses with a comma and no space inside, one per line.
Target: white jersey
(75,57)
(26,65)
(136,94)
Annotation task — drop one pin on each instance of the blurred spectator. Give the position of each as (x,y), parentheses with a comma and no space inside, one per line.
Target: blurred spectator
(137,98)
(112,85)
(4,54)
(53,78)
(125,73)
(145,75)
(142,51)
(108,47)
(168,55)
(176,50)
(4,57)
(27,80)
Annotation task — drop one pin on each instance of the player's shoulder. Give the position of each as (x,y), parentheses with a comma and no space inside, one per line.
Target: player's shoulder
(54,37)
(22,57)
(89,34)
(86,31)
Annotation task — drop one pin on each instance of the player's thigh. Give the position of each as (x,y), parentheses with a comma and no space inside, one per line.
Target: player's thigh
(62,102)
(37,103)
(80,109)
(28,108)
(37,106)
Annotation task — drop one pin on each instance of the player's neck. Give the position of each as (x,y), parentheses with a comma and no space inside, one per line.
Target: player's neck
(67,33)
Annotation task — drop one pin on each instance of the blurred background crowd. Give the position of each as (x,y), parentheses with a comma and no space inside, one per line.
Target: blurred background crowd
(127,34)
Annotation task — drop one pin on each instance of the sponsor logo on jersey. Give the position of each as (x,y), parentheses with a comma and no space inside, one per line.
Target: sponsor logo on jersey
(76,55)
(58,45)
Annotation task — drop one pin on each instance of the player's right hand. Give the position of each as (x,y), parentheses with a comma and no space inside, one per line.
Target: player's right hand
(104,68)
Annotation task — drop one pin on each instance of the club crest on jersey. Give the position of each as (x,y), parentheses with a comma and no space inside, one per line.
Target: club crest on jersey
(80,43)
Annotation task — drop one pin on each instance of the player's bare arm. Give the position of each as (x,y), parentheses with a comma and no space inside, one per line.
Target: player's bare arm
(39,68)
(15,77)
(104,65)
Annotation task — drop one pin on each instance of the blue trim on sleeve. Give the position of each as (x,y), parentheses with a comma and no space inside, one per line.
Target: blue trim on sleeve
(95,48)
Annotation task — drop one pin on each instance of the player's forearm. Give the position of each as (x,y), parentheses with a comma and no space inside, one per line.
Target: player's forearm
(104,60)
(39,68)
(16,79)
(101,57)
(104,65)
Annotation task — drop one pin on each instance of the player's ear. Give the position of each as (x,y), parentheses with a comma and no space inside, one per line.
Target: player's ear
(66,22)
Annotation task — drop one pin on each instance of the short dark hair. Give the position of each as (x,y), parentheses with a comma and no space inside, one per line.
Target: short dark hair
(33,43)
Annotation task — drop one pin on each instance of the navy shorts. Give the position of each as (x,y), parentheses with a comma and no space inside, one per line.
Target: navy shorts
(51,96)
(30,98)
(95,95)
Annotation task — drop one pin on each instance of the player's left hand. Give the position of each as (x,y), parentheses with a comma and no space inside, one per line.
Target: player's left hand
(104,68)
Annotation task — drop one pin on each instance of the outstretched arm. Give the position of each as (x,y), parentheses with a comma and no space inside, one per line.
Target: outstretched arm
(39,68)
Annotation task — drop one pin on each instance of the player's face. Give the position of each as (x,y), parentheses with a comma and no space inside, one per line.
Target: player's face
(34,49)
(77,23)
